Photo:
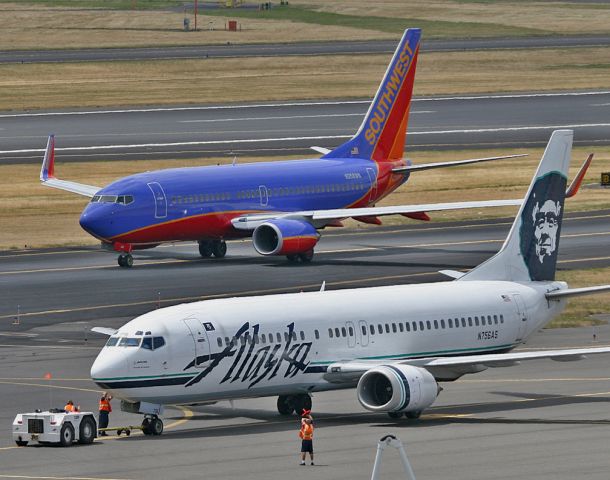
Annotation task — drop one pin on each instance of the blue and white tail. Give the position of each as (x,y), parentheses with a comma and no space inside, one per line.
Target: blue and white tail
(530,250)
(381,137)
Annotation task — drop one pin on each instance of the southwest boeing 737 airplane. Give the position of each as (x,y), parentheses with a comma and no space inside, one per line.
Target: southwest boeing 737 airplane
(282,205)
(393,344)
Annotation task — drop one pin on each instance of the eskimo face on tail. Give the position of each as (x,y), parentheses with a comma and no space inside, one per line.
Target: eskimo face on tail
(541,225)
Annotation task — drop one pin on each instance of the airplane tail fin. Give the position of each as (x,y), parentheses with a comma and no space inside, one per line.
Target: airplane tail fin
(530,250)
(381,136)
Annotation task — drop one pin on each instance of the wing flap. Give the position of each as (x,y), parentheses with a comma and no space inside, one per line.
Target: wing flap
(575,292)
(457,163)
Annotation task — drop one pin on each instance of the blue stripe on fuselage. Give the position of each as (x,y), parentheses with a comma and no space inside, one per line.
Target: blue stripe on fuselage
(289,186)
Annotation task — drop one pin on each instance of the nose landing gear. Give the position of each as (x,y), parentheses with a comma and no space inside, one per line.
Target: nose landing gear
(125,260)
(152,425)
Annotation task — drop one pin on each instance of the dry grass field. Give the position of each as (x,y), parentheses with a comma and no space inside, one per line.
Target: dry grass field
(103,84)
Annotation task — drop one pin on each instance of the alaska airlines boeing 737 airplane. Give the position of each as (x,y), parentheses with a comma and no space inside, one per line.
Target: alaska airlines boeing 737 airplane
(282,205)
(393,344)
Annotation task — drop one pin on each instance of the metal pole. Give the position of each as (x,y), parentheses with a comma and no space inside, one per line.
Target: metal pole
(405,461)
(392,441)
(377,464)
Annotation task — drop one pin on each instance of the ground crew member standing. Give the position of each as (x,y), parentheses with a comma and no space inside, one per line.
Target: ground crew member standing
(306,434)
(105,409)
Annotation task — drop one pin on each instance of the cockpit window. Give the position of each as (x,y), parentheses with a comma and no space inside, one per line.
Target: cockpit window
(147,343)
(158,342)
(129,342)
(112,341)
(120,199)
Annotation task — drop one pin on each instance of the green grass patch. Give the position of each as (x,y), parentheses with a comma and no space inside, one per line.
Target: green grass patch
(105,4)
(433,29)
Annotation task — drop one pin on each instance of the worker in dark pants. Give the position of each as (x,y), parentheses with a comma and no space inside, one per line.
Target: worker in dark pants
(105,409)
(306,435)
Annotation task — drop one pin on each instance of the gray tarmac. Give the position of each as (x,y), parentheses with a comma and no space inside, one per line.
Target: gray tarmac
(539,420)
(237,50)
(291,128)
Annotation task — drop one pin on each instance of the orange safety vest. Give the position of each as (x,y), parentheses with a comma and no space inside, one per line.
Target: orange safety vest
(306,432)
(105,406)
(70,408)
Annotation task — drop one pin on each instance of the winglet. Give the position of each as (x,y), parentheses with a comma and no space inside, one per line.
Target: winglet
(104,330)
(48,163)
(575,185)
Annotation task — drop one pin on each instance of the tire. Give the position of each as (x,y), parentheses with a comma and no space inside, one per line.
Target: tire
(86,431)
(285,405)
(121,260)
(219,248)
(66,435)
(395,414)
(413,415)
(205,248)
(300,403)
(306,257)
(146,427)
(156,426)
(128,261)
(292,258)
(21,443)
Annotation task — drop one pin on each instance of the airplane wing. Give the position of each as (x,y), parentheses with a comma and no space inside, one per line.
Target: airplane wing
(350,371)
(319,217)
(48,179)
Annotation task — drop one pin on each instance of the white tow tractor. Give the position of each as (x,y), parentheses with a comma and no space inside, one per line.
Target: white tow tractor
(54,426)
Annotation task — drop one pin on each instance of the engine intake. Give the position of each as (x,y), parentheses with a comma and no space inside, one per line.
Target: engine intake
(397,388)
(284,236)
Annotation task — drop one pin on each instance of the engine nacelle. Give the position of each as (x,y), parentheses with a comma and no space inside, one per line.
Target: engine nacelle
(397,388)
(284,236)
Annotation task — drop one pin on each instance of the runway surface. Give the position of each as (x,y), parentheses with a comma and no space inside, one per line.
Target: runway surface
(236,50)
(543,420)
(85,286)
(482,121)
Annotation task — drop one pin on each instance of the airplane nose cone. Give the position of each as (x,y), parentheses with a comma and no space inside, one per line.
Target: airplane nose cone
(96,220)
(110,365)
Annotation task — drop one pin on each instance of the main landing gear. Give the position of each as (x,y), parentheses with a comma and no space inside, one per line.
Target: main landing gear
(207,248)
(125,260)
(152,425)
(304,257)
(410,415)
(288,404)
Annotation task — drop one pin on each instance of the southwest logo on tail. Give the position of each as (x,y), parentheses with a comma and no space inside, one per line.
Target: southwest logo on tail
(282,205)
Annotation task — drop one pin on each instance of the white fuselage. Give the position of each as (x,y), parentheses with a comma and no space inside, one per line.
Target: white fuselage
(283,344)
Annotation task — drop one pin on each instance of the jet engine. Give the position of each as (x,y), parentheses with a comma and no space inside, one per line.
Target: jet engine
(284,236)
(397,388)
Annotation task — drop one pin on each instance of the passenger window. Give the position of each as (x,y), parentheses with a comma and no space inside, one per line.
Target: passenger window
(428,326)
(330,333)
(317,334)
(219,341)
(147,343)
(435,324)
(470,321)
(279,337)
(343,332)
(263,338)
(501,318)
(255,338)
(387,328)
(302,335)
(227,341)
(351,331)
(408,326)
(415,326)
(442,323)
(463,322)
(294,336)
(394,327)
(496,319)
(450,322)
(400,327)
(379,328)
(476,321)
(337,334)
(363,330)
(421,326)
(286,337)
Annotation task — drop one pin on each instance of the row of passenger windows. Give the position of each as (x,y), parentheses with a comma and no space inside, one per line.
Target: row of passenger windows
(264,338)
(421,325)
(271,192)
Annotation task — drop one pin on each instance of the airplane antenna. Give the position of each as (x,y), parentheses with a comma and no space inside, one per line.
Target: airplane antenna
(323,287)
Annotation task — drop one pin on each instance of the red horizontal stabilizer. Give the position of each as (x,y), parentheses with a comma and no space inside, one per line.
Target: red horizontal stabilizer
(370,219)
(335,223)
(423,216)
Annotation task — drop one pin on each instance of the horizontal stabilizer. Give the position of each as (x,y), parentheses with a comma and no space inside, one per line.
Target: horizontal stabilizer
(575,292)
(452,273)
(430,166)
(104,330)
(575,185)
(321,150)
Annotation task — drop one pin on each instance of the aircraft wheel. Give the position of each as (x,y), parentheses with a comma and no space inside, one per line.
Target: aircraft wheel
(300,403)
(413,415)
(219,248)
(292,258)
(307,256)
(205,248)
(285,405)
(395,414)
(146,428)
(156,426)
(21,443)
(66,435)
(125,260)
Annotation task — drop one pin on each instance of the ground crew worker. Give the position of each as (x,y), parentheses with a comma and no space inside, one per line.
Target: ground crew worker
(306,435)
(70,407)
(105,409)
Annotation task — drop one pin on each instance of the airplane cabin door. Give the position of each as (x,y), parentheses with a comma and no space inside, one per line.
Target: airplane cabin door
(201,341)
(521,316)
(160,199)
(373,179)
(351,334)
(364,333)
(264,195)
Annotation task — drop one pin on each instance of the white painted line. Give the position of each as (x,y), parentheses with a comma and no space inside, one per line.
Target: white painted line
(245,119)
(288,139)
(298,104)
